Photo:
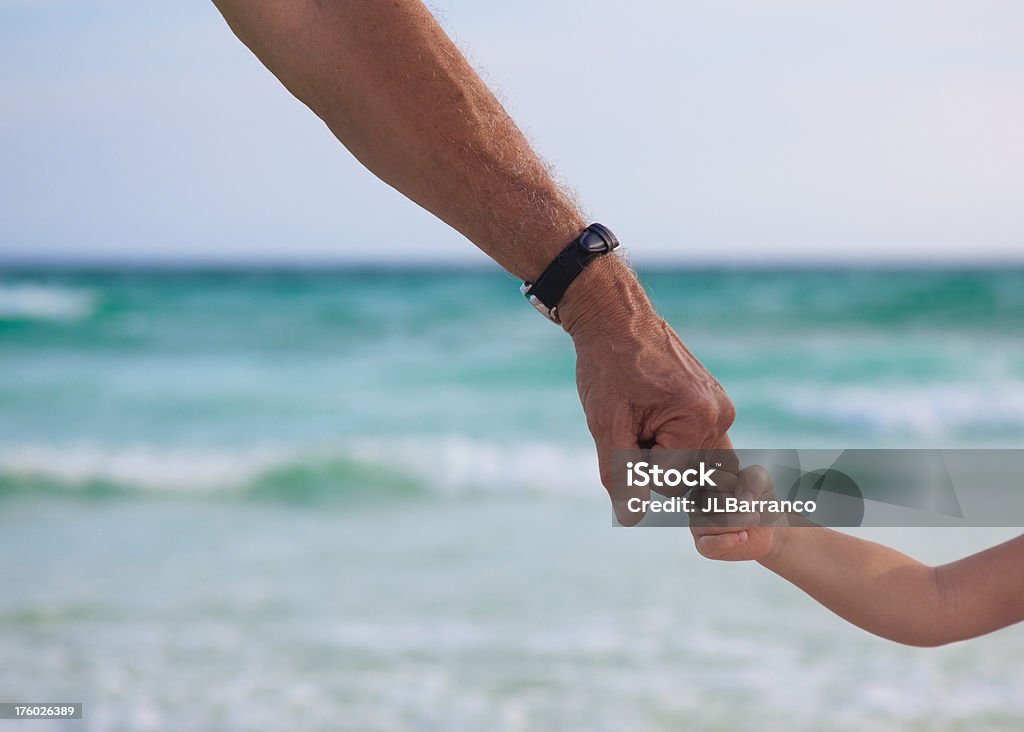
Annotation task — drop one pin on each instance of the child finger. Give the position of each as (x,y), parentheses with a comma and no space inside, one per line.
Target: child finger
(714,546)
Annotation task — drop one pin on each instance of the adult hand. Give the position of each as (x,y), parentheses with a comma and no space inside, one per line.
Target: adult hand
(639,385)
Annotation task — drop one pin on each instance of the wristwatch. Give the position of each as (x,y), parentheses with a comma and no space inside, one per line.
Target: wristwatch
(547,291)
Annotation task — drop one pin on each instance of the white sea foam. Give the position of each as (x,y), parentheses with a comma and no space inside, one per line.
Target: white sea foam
(142,467)
(932,411)
(456,464)
(443,465)
(27,301)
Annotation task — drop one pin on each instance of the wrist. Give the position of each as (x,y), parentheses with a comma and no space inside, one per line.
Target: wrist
(773,560)
(605,297)
(794,541)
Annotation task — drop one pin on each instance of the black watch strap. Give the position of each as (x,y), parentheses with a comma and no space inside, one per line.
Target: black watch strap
(547,291)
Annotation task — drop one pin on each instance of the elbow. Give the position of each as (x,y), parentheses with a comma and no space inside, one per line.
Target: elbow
(931,627)
(917,637)
(941,634)
(941,628)
(939,631)
(926,640)
(934,621)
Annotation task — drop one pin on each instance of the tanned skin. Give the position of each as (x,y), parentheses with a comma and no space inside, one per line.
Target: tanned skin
(396,91)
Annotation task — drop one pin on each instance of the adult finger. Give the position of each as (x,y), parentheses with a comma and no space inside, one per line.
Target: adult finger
(627,500)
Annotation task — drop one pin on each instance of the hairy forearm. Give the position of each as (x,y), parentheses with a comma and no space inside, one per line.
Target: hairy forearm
(400,96)
(397,92)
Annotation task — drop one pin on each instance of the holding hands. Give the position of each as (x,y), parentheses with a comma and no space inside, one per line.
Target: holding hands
(872,586)
(748,536)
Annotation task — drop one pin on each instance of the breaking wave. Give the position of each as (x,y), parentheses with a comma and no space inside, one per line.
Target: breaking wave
(26,301)
(370,470)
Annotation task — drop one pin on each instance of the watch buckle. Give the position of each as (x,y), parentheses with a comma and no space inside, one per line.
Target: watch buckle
(549,313)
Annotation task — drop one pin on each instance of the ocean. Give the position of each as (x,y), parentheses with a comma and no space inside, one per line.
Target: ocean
(367,500)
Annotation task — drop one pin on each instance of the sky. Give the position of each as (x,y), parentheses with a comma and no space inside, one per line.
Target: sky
(711,131)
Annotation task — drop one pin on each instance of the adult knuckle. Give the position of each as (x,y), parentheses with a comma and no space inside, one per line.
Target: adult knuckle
(726,413)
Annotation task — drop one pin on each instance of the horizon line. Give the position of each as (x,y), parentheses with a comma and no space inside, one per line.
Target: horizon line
(19,264)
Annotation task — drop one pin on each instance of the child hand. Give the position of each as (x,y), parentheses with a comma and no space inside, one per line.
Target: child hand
(750,536)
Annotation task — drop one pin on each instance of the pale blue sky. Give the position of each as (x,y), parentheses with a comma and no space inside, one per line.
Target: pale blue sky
(729,131)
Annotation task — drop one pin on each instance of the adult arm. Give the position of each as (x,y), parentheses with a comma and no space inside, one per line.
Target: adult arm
(397,92)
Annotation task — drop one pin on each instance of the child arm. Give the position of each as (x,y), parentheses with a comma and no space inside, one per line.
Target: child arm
(891,595)
(872,586)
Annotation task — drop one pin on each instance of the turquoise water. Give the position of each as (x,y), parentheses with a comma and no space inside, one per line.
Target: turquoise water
(311,499)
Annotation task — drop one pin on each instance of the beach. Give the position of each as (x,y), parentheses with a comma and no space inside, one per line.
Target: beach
(367,499)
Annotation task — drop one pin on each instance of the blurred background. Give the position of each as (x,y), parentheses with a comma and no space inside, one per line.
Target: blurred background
(279,449)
